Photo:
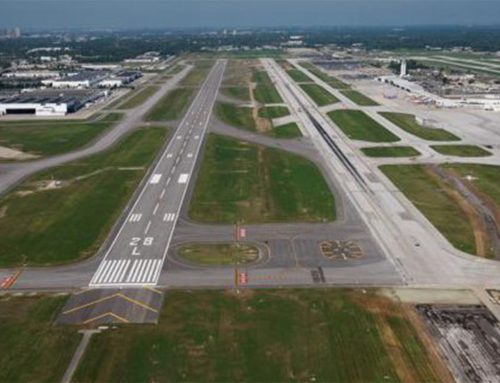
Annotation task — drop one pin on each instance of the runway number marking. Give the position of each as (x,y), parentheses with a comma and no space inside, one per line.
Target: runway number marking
(183,178)
(155,178)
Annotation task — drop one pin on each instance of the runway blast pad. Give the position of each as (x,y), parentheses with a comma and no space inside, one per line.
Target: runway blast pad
(112,306)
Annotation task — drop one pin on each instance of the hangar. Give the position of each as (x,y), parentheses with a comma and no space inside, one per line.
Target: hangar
(48,102)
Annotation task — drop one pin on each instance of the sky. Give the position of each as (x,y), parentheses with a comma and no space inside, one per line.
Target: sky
(133,14)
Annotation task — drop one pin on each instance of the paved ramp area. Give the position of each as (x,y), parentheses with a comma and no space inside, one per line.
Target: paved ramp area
(109,306)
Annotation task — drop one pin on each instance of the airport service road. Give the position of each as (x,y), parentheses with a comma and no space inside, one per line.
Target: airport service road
(137,253)
(419,252)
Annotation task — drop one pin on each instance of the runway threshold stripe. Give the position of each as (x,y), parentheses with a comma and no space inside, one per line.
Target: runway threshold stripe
(104,271)
(98,272)
(138,272)
(134,265)
(120,271)
(139,265)
(112,273)
(144,270)
(147,277)
(157,271)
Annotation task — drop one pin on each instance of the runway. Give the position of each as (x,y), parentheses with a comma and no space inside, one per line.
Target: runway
(137,253)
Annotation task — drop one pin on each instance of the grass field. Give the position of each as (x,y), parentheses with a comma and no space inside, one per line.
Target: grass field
(198,74)
(391,151)
(46,138)
(429,195)
(484,178)
(241,182)
(238,73)
(139,97)
(265,336)
(32,349)
(264,91)
(290,130)
(240,117)
(461,150)
(408,123)
(319,94)
(359,98)
(224,254)
(43,225)
(273,111)
(357,125)
(298,75)
(238,92)
(172,106)
(332,81)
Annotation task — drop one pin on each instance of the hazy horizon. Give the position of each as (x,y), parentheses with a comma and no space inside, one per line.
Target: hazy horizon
(157,14)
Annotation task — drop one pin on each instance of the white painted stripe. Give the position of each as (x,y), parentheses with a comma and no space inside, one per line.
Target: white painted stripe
(155,178)
(190,155)
(147,227)
(105,270)
(169,217)
(99,271)
(115,270)
(143,273)
(135,217)
(156,208)
(137,270)
(151,270)
(123,271)
(183,178)
(105,277)
(162,193)
(170,155)
(179,137)
(134,265)
(157,271)
(138,277)
(196,137)
(168,180)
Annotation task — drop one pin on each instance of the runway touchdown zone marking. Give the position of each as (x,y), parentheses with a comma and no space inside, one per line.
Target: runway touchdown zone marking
(183,178)
(135,217)
(169,217)
(155,178)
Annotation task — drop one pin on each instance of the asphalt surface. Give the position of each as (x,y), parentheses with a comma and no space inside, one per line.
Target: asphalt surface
(137,254)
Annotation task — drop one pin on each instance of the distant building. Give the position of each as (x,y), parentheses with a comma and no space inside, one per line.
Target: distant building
(120,79)
(79,80)
(48,102)
(32,74)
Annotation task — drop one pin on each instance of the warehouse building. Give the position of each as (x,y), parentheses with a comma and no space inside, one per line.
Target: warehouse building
(120,79)
(48,102)
(80,80)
